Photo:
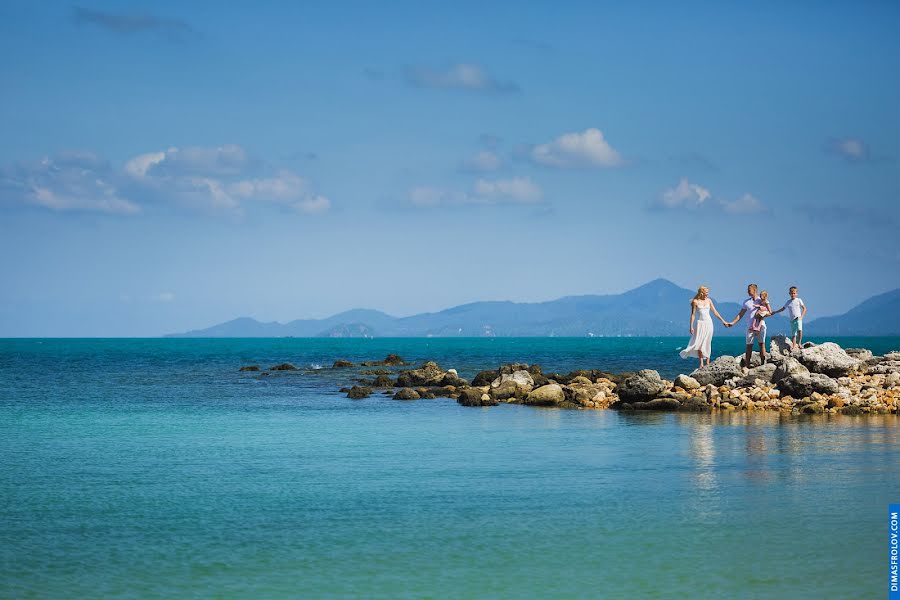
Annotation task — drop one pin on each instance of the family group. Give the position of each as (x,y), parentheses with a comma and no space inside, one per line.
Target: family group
(756,307)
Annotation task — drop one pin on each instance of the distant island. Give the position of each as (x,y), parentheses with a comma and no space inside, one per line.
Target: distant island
(657,308)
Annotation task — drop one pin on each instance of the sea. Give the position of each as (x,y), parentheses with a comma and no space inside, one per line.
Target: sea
(154,468)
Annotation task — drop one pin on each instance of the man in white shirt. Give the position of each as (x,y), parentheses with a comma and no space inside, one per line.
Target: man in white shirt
(751,305)
(796,311)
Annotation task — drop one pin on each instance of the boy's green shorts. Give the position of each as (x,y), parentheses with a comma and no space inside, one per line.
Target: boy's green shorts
(796,326)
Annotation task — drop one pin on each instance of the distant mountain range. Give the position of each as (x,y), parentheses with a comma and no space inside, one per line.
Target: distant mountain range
(658,308)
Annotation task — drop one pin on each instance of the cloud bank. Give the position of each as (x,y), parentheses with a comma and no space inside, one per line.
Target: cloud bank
(133,23)
(208,179)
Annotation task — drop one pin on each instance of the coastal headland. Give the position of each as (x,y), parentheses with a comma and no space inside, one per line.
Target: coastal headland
(815,378)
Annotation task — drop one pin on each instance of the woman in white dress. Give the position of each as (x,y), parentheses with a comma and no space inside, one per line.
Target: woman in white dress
(700,345)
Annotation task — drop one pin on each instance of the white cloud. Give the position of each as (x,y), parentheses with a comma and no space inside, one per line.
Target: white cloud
(164,297)
(691,196)
(685,194)
(850,149)
(518,190)
(484,161)
(746,204)
(588,149)
(227,160)
(464,76)
(67,182)
(287,189)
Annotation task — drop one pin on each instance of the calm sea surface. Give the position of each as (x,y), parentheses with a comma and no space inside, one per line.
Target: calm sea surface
(153,468)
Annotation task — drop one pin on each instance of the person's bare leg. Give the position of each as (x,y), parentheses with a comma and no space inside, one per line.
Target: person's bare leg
(748,355)
(762,353)
(799,337)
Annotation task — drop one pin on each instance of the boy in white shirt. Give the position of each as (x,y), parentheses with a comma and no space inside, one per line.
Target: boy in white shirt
(796,311)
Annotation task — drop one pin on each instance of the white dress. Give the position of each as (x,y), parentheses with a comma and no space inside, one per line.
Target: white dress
(701,341)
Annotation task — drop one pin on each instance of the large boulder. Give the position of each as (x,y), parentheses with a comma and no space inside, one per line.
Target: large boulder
(429,374)
(789,366)
(517,384)
(718,371)
(803,385)
(547,395)
(830,359)
(646,384)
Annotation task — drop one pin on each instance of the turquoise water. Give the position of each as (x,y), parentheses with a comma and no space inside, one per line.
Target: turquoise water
(152,468)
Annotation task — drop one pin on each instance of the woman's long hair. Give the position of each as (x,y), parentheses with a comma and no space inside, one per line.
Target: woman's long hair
(700,291)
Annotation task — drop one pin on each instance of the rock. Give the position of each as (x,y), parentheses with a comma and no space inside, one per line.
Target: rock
(806,384)
(892,355)
(407,394)
(829,359)
(382,381)
(789,366)
(484,378)
(512,368)
(859,353)
(451,378)
(780,346)
(249,368)
(850,409)
(512,385)
(359,392)
(546,395)
(475,397)
(646,384)
(393,360)
(342,364)
(716,372)
(763,372)
(686,382)
(835,402)
(429,374)
(284,367)
(375,372)
(813,408)
(695,404)
(662,404)
(755,360)
(885,367)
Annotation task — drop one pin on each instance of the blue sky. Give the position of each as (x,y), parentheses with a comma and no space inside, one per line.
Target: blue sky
(166,166)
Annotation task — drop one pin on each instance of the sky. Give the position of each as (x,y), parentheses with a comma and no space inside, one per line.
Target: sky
(167,166)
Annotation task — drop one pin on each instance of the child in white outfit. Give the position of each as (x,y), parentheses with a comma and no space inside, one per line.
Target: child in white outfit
(796,311)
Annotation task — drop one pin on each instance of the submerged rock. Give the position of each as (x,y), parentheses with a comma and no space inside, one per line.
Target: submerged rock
(342,364)
(407,394)
(250,368)
(284,367)
(358,392)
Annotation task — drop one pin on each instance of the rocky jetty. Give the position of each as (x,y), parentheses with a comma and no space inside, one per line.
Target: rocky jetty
(817,378)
